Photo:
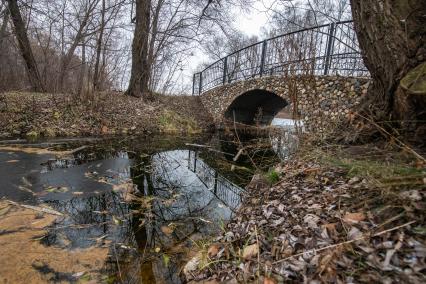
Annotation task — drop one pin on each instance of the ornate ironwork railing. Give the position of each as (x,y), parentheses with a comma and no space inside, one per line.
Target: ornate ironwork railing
(330,49)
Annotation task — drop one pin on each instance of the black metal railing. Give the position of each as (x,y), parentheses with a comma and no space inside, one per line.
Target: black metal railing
(330,49)
(226,191)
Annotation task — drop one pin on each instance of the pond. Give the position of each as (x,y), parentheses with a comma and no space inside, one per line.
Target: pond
(151,202)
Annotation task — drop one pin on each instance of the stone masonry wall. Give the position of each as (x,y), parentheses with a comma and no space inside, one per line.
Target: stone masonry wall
(321,100)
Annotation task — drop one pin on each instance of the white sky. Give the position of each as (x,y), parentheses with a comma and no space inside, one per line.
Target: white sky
(250,22)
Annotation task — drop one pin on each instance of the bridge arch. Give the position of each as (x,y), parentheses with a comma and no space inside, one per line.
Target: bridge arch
(321,100)
(256,106)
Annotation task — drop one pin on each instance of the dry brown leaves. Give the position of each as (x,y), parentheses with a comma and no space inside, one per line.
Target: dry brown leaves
(317,226)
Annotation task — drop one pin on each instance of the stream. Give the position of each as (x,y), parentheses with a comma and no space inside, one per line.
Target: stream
(152,202)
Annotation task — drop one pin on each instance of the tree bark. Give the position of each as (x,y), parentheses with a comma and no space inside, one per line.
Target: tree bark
(139,80)
(392,37)
(25,47)
(99,49)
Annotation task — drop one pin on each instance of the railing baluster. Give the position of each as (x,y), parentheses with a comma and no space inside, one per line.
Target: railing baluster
(330,44)
(200,83)
(225,70)
(262,59)
(193,84)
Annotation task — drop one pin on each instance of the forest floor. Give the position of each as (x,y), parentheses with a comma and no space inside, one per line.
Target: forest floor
(34,115)
(338,214)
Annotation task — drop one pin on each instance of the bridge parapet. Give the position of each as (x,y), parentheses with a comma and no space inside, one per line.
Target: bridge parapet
(318,100)
(330,49)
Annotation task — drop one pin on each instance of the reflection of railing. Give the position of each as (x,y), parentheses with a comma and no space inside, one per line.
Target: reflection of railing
(322,50)
(224,190)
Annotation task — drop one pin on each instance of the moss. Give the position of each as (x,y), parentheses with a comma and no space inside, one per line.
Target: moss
(415,80)
(272,176)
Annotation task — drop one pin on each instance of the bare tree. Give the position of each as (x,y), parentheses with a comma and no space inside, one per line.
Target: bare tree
(138,85)
(25,46)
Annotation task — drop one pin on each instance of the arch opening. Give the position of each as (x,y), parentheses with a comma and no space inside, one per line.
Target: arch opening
(255,107)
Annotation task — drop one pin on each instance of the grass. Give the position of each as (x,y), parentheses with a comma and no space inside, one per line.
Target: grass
(172,122)
(364,162)
(272,176)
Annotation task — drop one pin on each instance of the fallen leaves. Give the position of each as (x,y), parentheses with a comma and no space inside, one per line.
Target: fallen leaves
(250,251)
(354,218)
(213,250)
(319,227)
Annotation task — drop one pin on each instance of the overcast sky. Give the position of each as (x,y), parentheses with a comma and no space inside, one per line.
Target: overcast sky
(249,22)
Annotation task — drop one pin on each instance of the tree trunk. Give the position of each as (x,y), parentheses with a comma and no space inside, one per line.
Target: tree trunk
(80,36)
(138,85)
(4,26)
(82,75)
(392,37)
(25,46)
(99,49)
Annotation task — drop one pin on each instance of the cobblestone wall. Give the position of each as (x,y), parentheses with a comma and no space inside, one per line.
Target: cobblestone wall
(320,100)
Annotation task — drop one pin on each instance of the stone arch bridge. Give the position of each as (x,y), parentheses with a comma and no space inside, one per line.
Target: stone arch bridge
(318,72)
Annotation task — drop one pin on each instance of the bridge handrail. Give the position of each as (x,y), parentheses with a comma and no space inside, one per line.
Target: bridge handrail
(333,49)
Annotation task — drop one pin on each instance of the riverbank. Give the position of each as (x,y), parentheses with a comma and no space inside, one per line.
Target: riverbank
(35,115)
(337,214)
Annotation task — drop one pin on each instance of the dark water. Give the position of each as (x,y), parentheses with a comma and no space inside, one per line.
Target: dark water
(149,199)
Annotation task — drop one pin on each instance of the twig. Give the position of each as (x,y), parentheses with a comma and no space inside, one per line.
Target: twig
(258,254)
(39,209)
(344,243)
(118,264)
(401,144)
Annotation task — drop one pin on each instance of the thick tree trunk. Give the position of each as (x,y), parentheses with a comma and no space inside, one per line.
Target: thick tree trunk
(138,85)
(392,37)
(25,46)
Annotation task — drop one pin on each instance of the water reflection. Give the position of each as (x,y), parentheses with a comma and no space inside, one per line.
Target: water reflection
(146,207)
(148,204)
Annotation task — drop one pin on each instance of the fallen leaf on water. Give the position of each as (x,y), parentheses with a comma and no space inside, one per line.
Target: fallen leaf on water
(116,220)
(166,260)
(354,218)
(167,230)
(250,251)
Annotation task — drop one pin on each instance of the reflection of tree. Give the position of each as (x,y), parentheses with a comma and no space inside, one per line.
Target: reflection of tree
(88,219)
(168,193)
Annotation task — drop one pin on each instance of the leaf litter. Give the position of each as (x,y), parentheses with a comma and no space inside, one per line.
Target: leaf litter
(319,226)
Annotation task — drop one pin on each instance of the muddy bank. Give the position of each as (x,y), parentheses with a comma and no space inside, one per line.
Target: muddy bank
(36,115)
(342,217)
(25,260)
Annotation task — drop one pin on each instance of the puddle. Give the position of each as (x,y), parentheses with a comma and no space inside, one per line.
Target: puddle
(147,202)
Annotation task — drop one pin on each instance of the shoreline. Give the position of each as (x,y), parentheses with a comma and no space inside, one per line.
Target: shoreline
(339,216)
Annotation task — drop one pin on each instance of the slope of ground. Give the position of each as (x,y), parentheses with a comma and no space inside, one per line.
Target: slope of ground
(340,215)
(47,115)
